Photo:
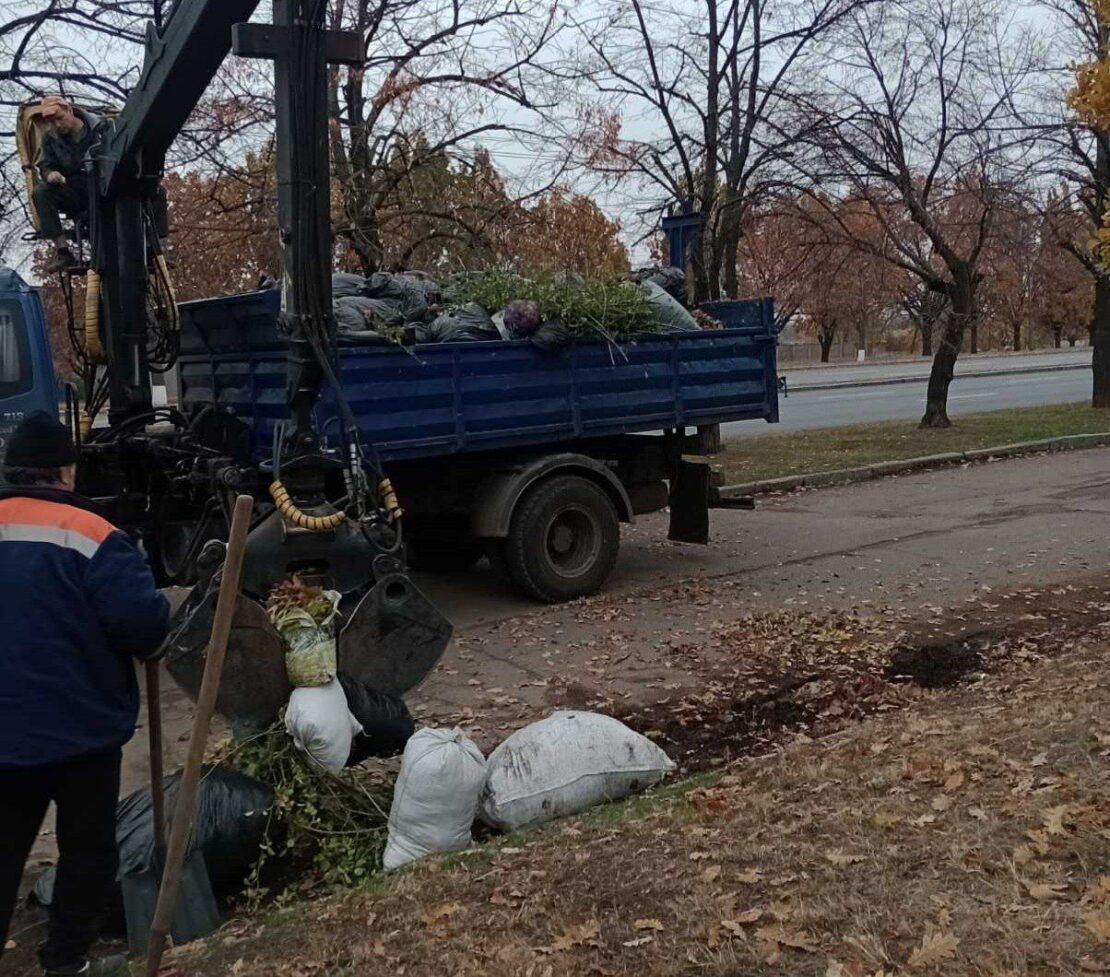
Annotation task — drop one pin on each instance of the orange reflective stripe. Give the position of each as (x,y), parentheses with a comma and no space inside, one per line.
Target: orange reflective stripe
(55,515)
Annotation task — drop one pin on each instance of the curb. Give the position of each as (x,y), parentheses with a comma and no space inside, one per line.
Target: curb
(848,476)
(923,377)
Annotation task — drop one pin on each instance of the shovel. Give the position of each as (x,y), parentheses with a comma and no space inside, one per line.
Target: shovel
(197,914)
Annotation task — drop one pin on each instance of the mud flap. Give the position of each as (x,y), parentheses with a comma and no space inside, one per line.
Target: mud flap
(689,503)
(253,688)
(395,637)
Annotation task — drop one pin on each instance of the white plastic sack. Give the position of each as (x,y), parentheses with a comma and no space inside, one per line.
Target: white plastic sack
(436,796)
(565,764)
(320,723)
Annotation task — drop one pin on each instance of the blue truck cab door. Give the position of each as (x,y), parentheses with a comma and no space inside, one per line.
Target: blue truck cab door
(27,380)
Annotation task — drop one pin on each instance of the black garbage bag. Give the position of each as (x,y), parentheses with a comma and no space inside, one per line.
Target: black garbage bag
(672,280)
(385,719)
(467,323)
(356,313)
(551,337)
(232,815)
(413,294)
(348,319)
(344,283)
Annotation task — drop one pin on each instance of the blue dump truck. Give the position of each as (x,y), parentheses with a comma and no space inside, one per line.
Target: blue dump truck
(498,449)
(27,380)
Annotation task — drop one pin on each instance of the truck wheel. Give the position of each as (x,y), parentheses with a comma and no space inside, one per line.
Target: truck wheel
(563,540)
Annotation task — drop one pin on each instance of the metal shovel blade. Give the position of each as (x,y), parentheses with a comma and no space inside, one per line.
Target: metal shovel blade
(197,912)
(395,637)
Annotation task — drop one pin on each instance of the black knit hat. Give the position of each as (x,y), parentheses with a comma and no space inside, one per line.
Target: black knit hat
(40,441)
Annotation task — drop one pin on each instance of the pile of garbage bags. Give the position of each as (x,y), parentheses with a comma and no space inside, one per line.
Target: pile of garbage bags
(409,308)
(336,720)
(558,766)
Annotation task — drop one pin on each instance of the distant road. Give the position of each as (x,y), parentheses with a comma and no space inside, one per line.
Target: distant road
(1078,358)
(856,403)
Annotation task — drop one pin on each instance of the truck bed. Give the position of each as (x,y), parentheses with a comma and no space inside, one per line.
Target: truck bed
(451,398)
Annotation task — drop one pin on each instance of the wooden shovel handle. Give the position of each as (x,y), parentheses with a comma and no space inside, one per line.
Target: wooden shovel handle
(185,809)
(154,735)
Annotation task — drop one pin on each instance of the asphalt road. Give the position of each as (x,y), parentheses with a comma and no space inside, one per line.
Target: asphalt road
(915,543)
(903,401)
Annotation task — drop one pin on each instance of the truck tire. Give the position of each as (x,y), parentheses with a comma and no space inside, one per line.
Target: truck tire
(563,540)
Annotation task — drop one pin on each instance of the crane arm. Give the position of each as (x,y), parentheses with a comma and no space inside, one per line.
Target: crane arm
(181,60)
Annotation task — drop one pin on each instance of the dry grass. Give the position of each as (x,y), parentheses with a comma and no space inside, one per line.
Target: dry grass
(827,449)
(968,834)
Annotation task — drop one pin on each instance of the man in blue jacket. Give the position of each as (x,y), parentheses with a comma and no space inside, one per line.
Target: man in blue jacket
(77,603)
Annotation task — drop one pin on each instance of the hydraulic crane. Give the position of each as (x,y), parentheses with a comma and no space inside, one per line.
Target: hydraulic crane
(323,506)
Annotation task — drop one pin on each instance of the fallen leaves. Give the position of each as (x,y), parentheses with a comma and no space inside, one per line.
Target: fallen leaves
(1044,891)
(440,914)
(935,947)
(648,924)
(711,873)
(1054,819)
(954,782)
(573,936)
(1099,924)
(781,936)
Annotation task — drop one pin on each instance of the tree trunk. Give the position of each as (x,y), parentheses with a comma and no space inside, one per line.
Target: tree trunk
(1100,334)
(730,251)
(974,337)
(961,311)
(927,339)
(1057,335)
(1100,340)
(826,346)
(699,273)
(1017,336)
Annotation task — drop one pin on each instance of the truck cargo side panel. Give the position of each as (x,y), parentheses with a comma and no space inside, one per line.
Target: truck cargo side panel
(466,397)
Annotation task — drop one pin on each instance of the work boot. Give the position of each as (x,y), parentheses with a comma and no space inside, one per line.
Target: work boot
(114,966)
(60,261)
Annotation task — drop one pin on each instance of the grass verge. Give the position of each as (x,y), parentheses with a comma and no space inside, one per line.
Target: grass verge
(827,449)
(965,835)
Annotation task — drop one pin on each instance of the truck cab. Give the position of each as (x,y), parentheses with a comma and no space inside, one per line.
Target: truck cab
(27,379)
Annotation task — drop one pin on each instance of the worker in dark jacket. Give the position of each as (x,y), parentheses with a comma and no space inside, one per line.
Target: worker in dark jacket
(64,188)
(78,603)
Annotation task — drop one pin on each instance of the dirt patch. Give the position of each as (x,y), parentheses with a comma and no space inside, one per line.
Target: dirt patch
(938,666)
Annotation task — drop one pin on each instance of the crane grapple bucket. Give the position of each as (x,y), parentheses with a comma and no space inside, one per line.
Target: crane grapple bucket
(390,636)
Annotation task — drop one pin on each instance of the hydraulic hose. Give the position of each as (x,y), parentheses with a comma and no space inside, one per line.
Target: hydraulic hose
(288,509)
(389,499)
(165,285)
(93,350)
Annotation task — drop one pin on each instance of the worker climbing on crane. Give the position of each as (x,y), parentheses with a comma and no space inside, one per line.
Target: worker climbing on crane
(70,138)
(70,134)
(79,602)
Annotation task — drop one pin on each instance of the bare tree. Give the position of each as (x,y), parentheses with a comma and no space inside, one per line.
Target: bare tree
(924,308)
(440,77)
(1081,156)
(921,127)
(702,103)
